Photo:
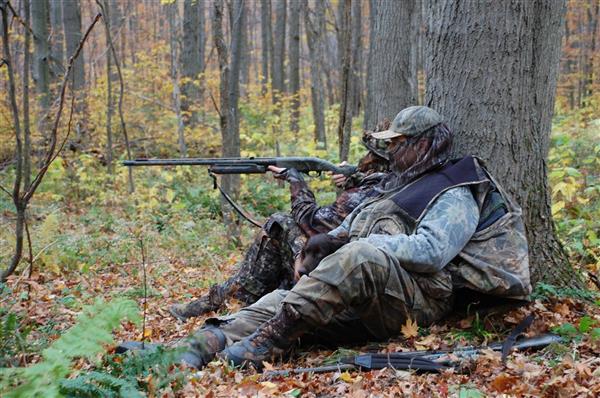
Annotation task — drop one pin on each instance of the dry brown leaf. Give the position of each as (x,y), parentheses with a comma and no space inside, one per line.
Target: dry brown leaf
(504,382)
(426,343)
(466,323)
(410,329)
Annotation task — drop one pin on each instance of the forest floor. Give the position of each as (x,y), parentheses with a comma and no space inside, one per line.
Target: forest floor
(569,369)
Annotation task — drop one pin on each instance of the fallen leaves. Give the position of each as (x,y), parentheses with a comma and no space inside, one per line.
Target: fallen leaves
(551,372)
(410,329)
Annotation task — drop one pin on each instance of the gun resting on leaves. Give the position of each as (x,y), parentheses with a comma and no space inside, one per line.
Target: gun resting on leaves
(249,165)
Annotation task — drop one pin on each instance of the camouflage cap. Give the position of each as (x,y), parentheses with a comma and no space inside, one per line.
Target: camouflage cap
(410,122)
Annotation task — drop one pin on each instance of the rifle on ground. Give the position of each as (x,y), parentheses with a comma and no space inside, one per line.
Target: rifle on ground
(430,361)
(250,165)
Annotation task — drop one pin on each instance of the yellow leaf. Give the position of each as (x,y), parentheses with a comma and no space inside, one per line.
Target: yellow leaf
(410,329)
(148,332)
(268,384)
(346,377)
(558,206)
(170,195)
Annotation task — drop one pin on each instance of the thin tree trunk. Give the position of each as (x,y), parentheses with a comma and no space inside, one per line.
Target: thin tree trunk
(133,30)
(266,41)
(345,119)
(40,19)
(26,122)
(356,57)
(228,145)
(173,18)
(109,96)
(497,93)
(391,79)
(294,56)
(16,193)
(191,61)
(314,22)
(57,39)
(279,48)
(72,29)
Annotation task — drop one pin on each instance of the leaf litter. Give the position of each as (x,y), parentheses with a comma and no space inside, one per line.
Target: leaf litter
(561,370)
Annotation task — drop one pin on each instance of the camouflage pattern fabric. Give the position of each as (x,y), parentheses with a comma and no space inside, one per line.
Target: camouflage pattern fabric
(356,294)
(269,262)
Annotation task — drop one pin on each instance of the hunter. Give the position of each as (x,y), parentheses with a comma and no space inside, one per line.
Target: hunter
(437,228)
(269,262)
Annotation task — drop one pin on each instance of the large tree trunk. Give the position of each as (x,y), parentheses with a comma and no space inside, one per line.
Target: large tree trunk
(191,61)
(495,84)
(294,56)
(314,21)
(391,79)
(40,19)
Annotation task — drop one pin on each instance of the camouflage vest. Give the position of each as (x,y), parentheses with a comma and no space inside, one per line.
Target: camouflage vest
(495,261)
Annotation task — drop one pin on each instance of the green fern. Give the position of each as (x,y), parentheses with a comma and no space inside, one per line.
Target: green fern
(98,384)
(84,340)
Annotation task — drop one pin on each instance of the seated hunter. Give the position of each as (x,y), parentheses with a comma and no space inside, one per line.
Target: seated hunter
(269,262)
(436,228)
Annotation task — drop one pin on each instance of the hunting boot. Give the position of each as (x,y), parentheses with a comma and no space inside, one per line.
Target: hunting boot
(273,338)
(205,304)
(203,346)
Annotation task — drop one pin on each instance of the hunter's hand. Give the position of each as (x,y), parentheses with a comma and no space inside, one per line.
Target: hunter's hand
(339,179)
(278,172)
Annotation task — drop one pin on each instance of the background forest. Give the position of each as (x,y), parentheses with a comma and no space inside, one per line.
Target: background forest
(82,236)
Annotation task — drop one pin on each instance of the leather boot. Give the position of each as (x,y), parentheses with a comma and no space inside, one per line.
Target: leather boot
(205,304)
(203,346)
(273,338)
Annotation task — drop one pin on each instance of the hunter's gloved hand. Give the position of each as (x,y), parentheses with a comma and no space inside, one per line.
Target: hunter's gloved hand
(316,249)
(289,175)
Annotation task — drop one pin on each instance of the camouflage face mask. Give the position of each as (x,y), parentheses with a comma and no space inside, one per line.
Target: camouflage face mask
(378,147)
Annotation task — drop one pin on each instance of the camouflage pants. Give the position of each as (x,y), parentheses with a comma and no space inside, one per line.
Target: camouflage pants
(357,293)
(268,263)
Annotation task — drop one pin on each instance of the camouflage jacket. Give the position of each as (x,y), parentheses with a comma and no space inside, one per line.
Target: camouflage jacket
(470,230)
(314,219)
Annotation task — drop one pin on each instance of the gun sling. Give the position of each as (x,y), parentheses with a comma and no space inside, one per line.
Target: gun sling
(232,203)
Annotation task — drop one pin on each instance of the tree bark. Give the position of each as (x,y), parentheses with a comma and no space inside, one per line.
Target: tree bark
(495,84)
(57,64)
(345,118)
(40,19)
(266,41)
(278,75)
(314,21)
(356,57)
(174,31)
(228,111)
(26,121)
(72,29)
(109,95)
(191,61)
(294,56)
(237,46)
(391,79)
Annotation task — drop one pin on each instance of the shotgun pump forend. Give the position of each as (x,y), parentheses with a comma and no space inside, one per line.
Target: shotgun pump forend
(250,165)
